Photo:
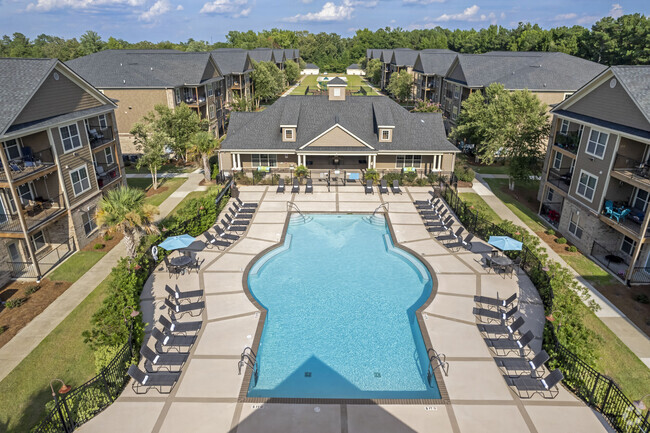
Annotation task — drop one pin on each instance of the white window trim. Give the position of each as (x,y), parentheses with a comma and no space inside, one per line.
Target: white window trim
(178,95)
(589,140)
(110,152)
(31,239)
(412,161)
(576,224)
(72,181)
(268,158)
(562,123)
(288,130)
(81,143)
(578,186)
(633,246)
(436,162)
(556,160)
(100,118)
(83,225)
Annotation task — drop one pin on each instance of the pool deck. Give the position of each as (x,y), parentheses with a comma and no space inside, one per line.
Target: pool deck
(206,397)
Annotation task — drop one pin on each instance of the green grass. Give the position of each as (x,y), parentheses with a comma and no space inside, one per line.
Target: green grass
(75,266)
(166,168)
(172,185)
(529,217)
(353,81)
(473,199)
(188,197)
(62,354)
(588,269)
(482,169)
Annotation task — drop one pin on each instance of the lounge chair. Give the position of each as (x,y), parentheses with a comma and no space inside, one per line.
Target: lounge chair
(446,222)
(368,187)
(242,204)
(244,216)
(395,188)
(243,210)
(446,227)
(15,167)
(236,222)
(173,270)
(193,308)
(224,235)
(462,243)
(154,362)
(165,342)
(497,302)
(452,236)
(383,187)
(232,227)
(309,188)
(506,345)
(180,296)
(281,187)
(491,315)
(609,208)
(295,187)
(211,241)
(529,386)
(158,381)
(502,330)
(523,365)
(180,327)
(434,217)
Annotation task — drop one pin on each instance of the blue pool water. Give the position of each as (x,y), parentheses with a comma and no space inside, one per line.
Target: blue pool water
(341,323)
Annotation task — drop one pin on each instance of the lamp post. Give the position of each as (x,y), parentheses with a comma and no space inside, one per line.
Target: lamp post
(132,315)
(640,406)
(63,390)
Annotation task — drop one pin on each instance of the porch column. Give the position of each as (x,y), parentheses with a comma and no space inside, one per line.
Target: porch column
(637,249)
(369,161)
(239,161)
(234,160)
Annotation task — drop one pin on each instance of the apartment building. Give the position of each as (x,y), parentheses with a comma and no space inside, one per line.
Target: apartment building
(595,185)
(138,80)
(60,152)
(236,65)
(429,70)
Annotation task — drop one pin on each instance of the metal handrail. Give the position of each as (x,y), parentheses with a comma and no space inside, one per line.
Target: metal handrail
(248,359)
(291,205)
(386,207)
(441,363)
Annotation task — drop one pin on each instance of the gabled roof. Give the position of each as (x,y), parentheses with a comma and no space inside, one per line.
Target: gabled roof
(310,66)
(354,66)
(290,54)
(417,132)
(434,63)
(636,81)
(385,55)
(278,56)
(261,54)
(141,68)
(336,81)
(404,57)
(542,71)
(231,60)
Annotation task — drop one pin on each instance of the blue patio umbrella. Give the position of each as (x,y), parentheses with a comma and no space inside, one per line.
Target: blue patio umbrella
(177,242)
(505,243)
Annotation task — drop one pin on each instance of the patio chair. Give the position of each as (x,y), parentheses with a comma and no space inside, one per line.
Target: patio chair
(181,296)
(609,208)
(506,345)
(154,362)
(309,188)
(243,210)
(233,228)
(173,270)
(523,365)
(503,330)
(180,327)
(620,215)
(383,187)
(395,188)
(211,242)
(496,302)
(236,215)
(15,167)
(446,227)
(281,186)
(368,188)
(424,202)
(158,381)
(446,222)
(166,342)
(28,155)
(491,315)
(529,386)
(242,204)
(434,217)
(462,243)
(193,309)
(194,264)
(295,187)
(452,236)
(224,235)
(236,222)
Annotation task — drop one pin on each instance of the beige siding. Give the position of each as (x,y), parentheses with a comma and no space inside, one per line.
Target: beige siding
(56,97)
(246,161)
(293,136)
(457,73)
(333,97)
(550,98)
(337,137)
(77,221)
(133,104)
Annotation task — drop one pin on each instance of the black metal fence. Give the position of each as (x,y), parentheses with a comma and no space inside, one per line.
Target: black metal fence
(596,389)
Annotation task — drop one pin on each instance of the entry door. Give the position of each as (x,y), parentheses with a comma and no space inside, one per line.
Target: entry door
(3,212)
(14,254)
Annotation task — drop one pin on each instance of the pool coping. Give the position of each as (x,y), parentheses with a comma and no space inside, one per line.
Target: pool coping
(243,398)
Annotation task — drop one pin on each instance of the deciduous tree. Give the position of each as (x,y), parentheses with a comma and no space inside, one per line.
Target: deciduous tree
(153,143)
(401,85)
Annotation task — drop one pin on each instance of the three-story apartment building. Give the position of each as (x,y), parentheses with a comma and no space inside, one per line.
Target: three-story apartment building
(429,70)
(237,66)
(60,152)
(595,185)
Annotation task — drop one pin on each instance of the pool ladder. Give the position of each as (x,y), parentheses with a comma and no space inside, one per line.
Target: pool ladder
(375,219)
(248,360)
(291,206)
(436,360)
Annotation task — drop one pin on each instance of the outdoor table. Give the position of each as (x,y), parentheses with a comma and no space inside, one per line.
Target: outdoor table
(501,261)
(181,261)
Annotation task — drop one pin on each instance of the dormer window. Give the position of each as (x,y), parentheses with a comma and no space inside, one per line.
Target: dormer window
(385,134)
(288,134)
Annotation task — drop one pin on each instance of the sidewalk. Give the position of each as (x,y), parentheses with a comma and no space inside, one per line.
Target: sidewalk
(623,327)
(12,353)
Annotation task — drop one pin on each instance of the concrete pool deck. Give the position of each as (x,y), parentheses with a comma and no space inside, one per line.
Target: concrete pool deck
(206,397)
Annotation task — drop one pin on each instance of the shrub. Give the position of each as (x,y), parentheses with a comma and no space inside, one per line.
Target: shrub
(104,355)
(561,241)
(464,173)
(301,171)
(258,176)
(390,177)
(371,174)
(14,303)
(422,181)
(642,298)
(572,249)
(550,232)
(31,290)
(409,177)
(108,236)
(2,329)
(99,246)
(433,177)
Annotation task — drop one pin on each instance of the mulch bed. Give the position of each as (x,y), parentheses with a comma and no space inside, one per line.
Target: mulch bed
(150,191)
(108,245)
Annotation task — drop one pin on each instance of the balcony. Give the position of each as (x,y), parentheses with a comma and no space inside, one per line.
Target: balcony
(100,136)
(560,178)
(623,218)
(106,174)
(632,171)
(551,212)
(29,166)
(37,212)
(569,142)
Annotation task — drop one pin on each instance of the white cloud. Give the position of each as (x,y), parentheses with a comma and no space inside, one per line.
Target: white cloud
(587,19)
(235,8)
(421,2)
(469,14)
(563,17)
(329,12)
(159,8)
(48,5)
(179,8)
(616,10)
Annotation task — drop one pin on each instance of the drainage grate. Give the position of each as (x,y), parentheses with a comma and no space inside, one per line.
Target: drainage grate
(377,374)
(307,373)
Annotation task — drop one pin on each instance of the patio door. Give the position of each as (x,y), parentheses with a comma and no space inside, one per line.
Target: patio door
(12,149)
(14,253)
(26,193)
(641,199)
(4,217)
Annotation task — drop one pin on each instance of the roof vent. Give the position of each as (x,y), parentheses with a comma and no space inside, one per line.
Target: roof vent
(544,84)
(124,81)
(151,69)
(120,64)
(422,120)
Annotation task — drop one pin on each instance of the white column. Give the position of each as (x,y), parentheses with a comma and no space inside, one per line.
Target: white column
(239,160)
(369,161)
(234,160)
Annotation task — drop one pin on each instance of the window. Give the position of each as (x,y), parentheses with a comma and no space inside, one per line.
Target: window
(456,92)
(80,181)
(549,195)
(12,149)
(557,161)
(211,111)
(88,220)
(25,193)
(178,96)
(587,185)
(574,227)
(564,127)
(454,112)
(102,121)
(385,134)
(402,161)
(641,200)
(108,155)
(210,91)
(264,160)
(70,137)
(288,134)
(337,92)
(627,246)
(597,143)
(38,240)
(437,163)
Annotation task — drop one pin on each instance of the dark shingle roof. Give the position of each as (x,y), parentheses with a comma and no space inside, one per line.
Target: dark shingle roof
(141,68)
(310,66)
(19,80)
(261,54)
(337,81)
(354,66)
(51,121)
(230,60)
(604,123)
(404,57)
(636,80)
(435,63)
(278,56)
(547,71)
(316,114)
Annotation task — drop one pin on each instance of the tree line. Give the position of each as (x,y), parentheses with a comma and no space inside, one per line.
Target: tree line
(610,41)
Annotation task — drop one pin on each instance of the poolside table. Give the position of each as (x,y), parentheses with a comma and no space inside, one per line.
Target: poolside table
(181,261)
(502,261)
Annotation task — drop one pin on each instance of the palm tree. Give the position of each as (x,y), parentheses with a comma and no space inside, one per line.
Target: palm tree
(124,210)
(205,144)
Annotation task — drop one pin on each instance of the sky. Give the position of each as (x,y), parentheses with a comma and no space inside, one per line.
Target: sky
(210,20)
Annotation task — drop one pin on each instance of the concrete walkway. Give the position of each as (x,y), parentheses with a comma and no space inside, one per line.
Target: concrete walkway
(12,353)
(624,328)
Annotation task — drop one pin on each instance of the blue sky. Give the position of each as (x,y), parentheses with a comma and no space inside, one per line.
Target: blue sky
(178,20)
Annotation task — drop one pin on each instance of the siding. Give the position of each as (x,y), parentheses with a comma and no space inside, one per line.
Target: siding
(132,104)
(457,74)
(210,72)
(56,97)
(337,137)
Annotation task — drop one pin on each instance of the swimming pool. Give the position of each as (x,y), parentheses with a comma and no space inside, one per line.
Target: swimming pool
(341,323)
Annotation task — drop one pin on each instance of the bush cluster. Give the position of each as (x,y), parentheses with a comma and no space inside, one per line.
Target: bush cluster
(464,173)
(572,249)
(31,290)
(15,303)
(560,241)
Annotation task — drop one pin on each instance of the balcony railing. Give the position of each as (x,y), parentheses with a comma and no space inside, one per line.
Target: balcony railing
(560,178)
(30,163)
(631,167)
(615,261)
(99,136)
(106,173)
(37,212)
(47,260)
(570,141)
(551,212)
(623,216)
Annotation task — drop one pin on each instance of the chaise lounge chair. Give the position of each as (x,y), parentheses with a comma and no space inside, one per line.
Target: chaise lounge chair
(224,235)
(439,223)
(529,386)
(242,204)
(492,315)
(154,362)
(211,241)
(445,227)
(395,188)
(462,243)
(368,188)
(193,308)
(496,302)
(180,327)
(383,187)
(309,188)
(243,210)
(295,187)
(452,236)
(506,345)
(180,296)
(232,227)
(158,381)
(236,222)
(502,330)
(281,187)
(236,215)
(165,342)
(523,365)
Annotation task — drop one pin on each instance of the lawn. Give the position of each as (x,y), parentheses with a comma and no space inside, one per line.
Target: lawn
(353,81)
(165,188)
(528,216)
(482,169)
(190,196)
(166,168)
(62,354)
(475,200)
(75,266)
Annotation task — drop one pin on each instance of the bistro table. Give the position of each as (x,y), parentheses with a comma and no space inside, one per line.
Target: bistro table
(502,262)
(181,261)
